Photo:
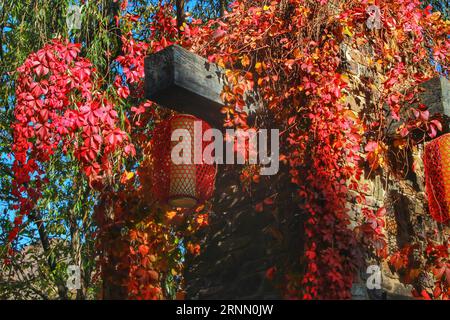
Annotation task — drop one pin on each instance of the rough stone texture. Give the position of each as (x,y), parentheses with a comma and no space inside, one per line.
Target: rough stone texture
(437,95)
(403,192)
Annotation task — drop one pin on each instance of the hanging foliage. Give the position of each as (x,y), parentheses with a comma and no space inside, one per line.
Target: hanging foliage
(283,56)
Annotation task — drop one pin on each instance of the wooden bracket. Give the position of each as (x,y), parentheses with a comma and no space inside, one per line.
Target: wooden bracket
(180,80)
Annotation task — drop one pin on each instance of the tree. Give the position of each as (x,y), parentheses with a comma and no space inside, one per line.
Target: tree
(60,213)
(209,9)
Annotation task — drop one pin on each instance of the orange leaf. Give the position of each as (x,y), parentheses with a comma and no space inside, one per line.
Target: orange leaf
(259,207)
(126,176)
(153,275)
(425,295)
(133,235)
(437,292)
(200,208)
(270,273)
(245,61)
(292,120)
(143,249)
(259,67)
(171,214)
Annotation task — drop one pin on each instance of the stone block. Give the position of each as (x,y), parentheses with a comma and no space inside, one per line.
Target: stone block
(437,95)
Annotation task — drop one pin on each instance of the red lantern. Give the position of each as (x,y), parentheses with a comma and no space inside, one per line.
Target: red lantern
(437,174)
(181,185)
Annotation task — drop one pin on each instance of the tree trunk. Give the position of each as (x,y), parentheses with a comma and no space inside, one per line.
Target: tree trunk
(223,6)
(180,12)
(43,236)
(113,247)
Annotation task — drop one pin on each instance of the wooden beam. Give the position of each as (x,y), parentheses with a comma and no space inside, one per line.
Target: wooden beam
(437,95)
(180,80)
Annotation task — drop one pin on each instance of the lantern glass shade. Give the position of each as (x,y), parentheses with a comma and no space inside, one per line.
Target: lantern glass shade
(437,177)
(180,185)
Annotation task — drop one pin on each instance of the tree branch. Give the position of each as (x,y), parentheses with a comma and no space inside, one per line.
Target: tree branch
(43,236)
(180,13)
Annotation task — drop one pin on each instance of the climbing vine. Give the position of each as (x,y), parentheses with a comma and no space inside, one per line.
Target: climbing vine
(282,58)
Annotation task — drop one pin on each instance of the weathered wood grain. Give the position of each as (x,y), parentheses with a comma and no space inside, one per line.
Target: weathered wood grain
(185,82)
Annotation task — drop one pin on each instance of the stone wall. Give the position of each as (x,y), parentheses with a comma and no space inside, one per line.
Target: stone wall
(401,190)
(241,244)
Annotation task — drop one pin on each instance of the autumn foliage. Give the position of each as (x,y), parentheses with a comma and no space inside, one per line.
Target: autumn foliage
(284,57)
